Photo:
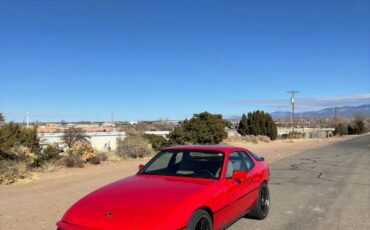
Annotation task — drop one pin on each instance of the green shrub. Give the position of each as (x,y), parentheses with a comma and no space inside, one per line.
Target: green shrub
(50,153)
(202,128)
(359,127)
(14,135)
(157,142)
(341,129)
(243,126)
(258,123)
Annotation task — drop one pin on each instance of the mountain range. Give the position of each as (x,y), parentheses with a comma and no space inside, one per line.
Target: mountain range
(344,111)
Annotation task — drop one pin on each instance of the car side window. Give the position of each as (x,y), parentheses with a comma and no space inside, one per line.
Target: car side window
(247,160)
(234,162)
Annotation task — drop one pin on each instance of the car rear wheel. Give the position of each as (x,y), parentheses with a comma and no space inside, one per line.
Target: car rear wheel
(261,208)
(200,220)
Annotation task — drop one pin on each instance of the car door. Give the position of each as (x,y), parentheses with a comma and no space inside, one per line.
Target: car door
(237,191)
(252,180)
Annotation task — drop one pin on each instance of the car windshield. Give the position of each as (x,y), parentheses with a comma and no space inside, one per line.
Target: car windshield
(189,163)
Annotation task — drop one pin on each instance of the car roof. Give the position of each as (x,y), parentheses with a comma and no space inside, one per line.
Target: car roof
(220,148)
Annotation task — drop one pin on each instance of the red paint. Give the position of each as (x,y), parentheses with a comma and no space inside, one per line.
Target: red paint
(166,202)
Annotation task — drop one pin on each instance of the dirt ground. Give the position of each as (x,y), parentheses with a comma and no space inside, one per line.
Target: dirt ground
(39,203)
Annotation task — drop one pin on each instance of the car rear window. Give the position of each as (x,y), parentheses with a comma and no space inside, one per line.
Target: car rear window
(256,157)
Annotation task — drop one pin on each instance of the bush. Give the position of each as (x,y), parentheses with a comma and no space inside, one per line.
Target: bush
(14,136)
(202,128)
(94,160)
(133,146)
(359,127)
(23,153)
(263,139)
(258,123)
(295,135)
(73,161)
(102,156)
(359,122)
(250,138)
(82,150)
(157,142)
(12,170)
(50,153)
(341,129)
(247,138)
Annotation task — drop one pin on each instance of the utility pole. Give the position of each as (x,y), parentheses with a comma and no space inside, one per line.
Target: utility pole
(292,93)
(336,115)
(28,119)
(112,117)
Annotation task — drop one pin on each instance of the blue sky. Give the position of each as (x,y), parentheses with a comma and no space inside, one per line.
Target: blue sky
(82,60)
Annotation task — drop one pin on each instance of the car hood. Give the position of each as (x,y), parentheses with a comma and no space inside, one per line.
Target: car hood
(129,201)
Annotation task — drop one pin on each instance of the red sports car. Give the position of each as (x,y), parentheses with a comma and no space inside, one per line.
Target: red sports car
(182,187)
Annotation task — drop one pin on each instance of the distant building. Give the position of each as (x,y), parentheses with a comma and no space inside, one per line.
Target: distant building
(101,141)
(158,133)
(307,132)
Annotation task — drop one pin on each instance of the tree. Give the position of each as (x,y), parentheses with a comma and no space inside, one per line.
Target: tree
(359,122)
(72,135)
(202,128)
(63,123)
(2,119)
(341,129)
(261,123)
(243,126)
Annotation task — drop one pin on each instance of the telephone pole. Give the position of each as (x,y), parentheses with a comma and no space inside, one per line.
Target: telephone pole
(292,94)
(28,120)
(112,118)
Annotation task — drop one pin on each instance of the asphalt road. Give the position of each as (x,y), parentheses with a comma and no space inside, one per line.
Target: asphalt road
(326,188)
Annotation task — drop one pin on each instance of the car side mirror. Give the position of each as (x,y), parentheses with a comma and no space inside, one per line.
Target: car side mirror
(239,176)
(141,167)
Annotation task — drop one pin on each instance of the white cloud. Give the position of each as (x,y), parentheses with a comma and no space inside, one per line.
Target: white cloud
(305,104)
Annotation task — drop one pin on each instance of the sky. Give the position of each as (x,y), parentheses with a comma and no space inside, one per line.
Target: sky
(145,60)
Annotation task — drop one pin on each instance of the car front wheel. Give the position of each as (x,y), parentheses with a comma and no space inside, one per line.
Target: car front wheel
(200,220)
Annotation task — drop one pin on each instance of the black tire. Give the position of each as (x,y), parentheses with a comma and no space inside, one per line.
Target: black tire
(261,208)
(200,220)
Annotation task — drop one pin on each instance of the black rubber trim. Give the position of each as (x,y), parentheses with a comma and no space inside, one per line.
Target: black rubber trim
(241,197)
(222,208)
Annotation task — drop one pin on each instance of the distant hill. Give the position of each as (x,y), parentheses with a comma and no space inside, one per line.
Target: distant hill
(345,111)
